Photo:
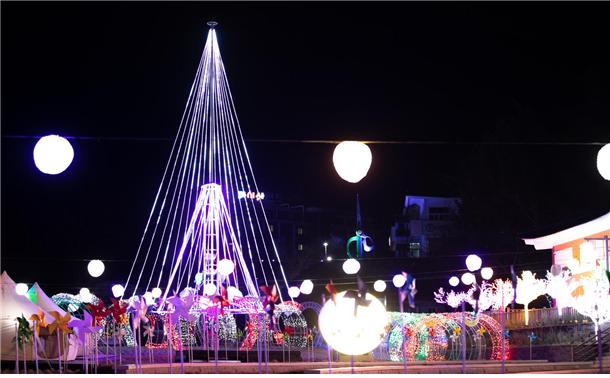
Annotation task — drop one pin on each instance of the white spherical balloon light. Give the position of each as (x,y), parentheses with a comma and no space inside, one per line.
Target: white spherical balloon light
(96,268)
(233,292)
(487,273)
(53,154)
(225,267)
(603,161)
(468,278)
(118,290)
(306,287)
(21,289)
(352,160)
(149,298)
(209,289)
(293,292)
(473,262)
(156,292)
(349,333)
(351,266)
(85,295)
(399,280)
(454,281)
(379,286)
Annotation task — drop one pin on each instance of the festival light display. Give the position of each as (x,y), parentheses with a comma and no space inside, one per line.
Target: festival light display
(558,288)
(53,154)
(352,160)
(528,288)
(95,268)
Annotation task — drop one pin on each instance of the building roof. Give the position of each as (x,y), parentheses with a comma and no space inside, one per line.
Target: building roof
(573,233)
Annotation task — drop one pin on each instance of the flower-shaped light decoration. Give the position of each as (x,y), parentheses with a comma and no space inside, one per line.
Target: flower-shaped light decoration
(39,321)
(61,322)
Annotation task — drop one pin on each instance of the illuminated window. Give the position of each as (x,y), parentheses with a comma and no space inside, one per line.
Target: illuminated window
(300,230)
(414,249)
(300,247)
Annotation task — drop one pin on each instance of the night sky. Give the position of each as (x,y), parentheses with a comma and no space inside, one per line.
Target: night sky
(464,74)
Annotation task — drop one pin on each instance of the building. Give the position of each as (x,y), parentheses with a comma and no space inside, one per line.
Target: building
(425,227)
(581,247)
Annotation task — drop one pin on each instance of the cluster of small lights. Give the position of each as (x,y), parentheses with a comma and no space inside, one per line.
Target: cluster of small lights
(250,195)
(72,303)
(110,329)
(227,327)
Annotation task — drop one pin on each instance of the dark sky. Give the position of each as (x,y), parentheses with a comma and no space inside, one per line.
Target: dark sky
(453,72)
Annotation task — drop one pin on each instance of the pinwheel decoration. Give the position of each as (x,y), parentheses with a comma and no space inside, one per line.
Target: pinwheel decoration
(359,296)
(39,321)
(251,335)
(61,322)
(117,310)
(24,333)
(99,311)
(139,313)
(82,327)
(332,291)
(457,331)
(279,338)
(532,336)
(222,299)
(481,331)
(269,299)
(182,306)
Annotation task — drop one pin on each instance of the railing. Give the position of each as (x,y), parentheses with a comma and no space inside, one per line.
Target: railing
(540,317)
(587,351)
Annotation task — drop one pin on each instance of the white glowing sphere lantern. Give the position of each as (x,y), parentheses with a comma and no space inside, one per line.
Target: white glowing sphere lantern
(351,266)
(352,333)
(603,161)
(293,292)
(352,160)
(487,273)
(53,154)
(149,298)
(473,262)
(156,292)
(454,281)
(96,268)
(233,292)
(85,295)
(306,287)
(468,278)
(21,289)
(209,289)
(118,290)
(379,286)
(225,267)
(399,280)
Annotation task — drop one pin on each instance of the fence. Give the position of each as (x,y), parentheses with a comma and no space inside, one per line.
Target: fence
(540,317)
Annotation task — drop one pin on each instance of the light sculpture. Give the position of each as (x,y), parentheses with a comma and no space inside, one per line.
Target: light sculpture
(528,288)
(293,292)
(351,266)
(454,281)
(487,273)
(53,154)
(225,267)
(21,289)
(117,290)
(473,262)
(379,286)
(95,268)
(306,287)
(399,280)
(352,332)
(603,161)
(557,287)
(352,160)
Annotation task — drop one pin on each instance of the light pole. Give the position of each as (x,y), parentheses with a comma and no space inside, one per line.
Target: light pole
(325,244)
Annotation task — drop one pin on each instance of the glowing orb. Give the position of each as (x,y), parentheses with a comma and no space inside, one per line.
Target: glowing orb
(454,281)
(53,154)
(149,298)
(399,280)
(225,267)
(379,286)
(603,161)
(198,278)
(21,289)
(85,295)
(473,262)
(468,278)
(352,160)
(209,289)
(306,287)
(118,290)
(351,266)
(487,273)
(156,292)
(353,334)
(95,268)
(233,292)
(294,291)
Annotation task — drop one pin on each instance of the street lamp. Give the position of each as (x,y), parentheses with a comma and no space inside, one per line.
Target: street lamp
(325,244)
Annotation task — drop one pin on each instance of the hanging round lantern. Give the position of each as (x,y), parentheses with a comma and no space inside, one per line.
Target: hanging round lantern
(379,286)
(473,262)
(53,154)
(225,267)
(351,266)
(603,161)
(352,160)
(96,268)
(118,290)
(306,287)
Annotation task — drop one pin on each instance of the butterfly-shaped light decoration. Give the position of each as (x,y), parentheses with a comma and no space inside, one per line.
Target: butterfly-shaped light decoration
(359,296)
(82,327)
(139,309)
(24,333)
(99,311)
(182,306)
(39,321)
(332,291)
(222,299)
(117,310)
(481,331)
(270,297)
(61,322)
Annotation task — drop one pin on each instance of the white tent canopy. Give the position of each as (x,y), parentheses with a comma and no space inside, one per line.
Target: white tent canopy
(594,226)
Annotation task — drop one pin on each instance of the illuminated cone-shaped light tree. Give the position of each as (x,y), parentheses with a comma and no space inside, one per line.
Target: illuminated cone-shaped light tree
(529,288)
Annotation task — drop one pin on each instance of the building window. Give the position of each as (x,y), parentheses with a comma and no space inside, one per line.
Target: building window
(414,249)
(300,230)
(300,247)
